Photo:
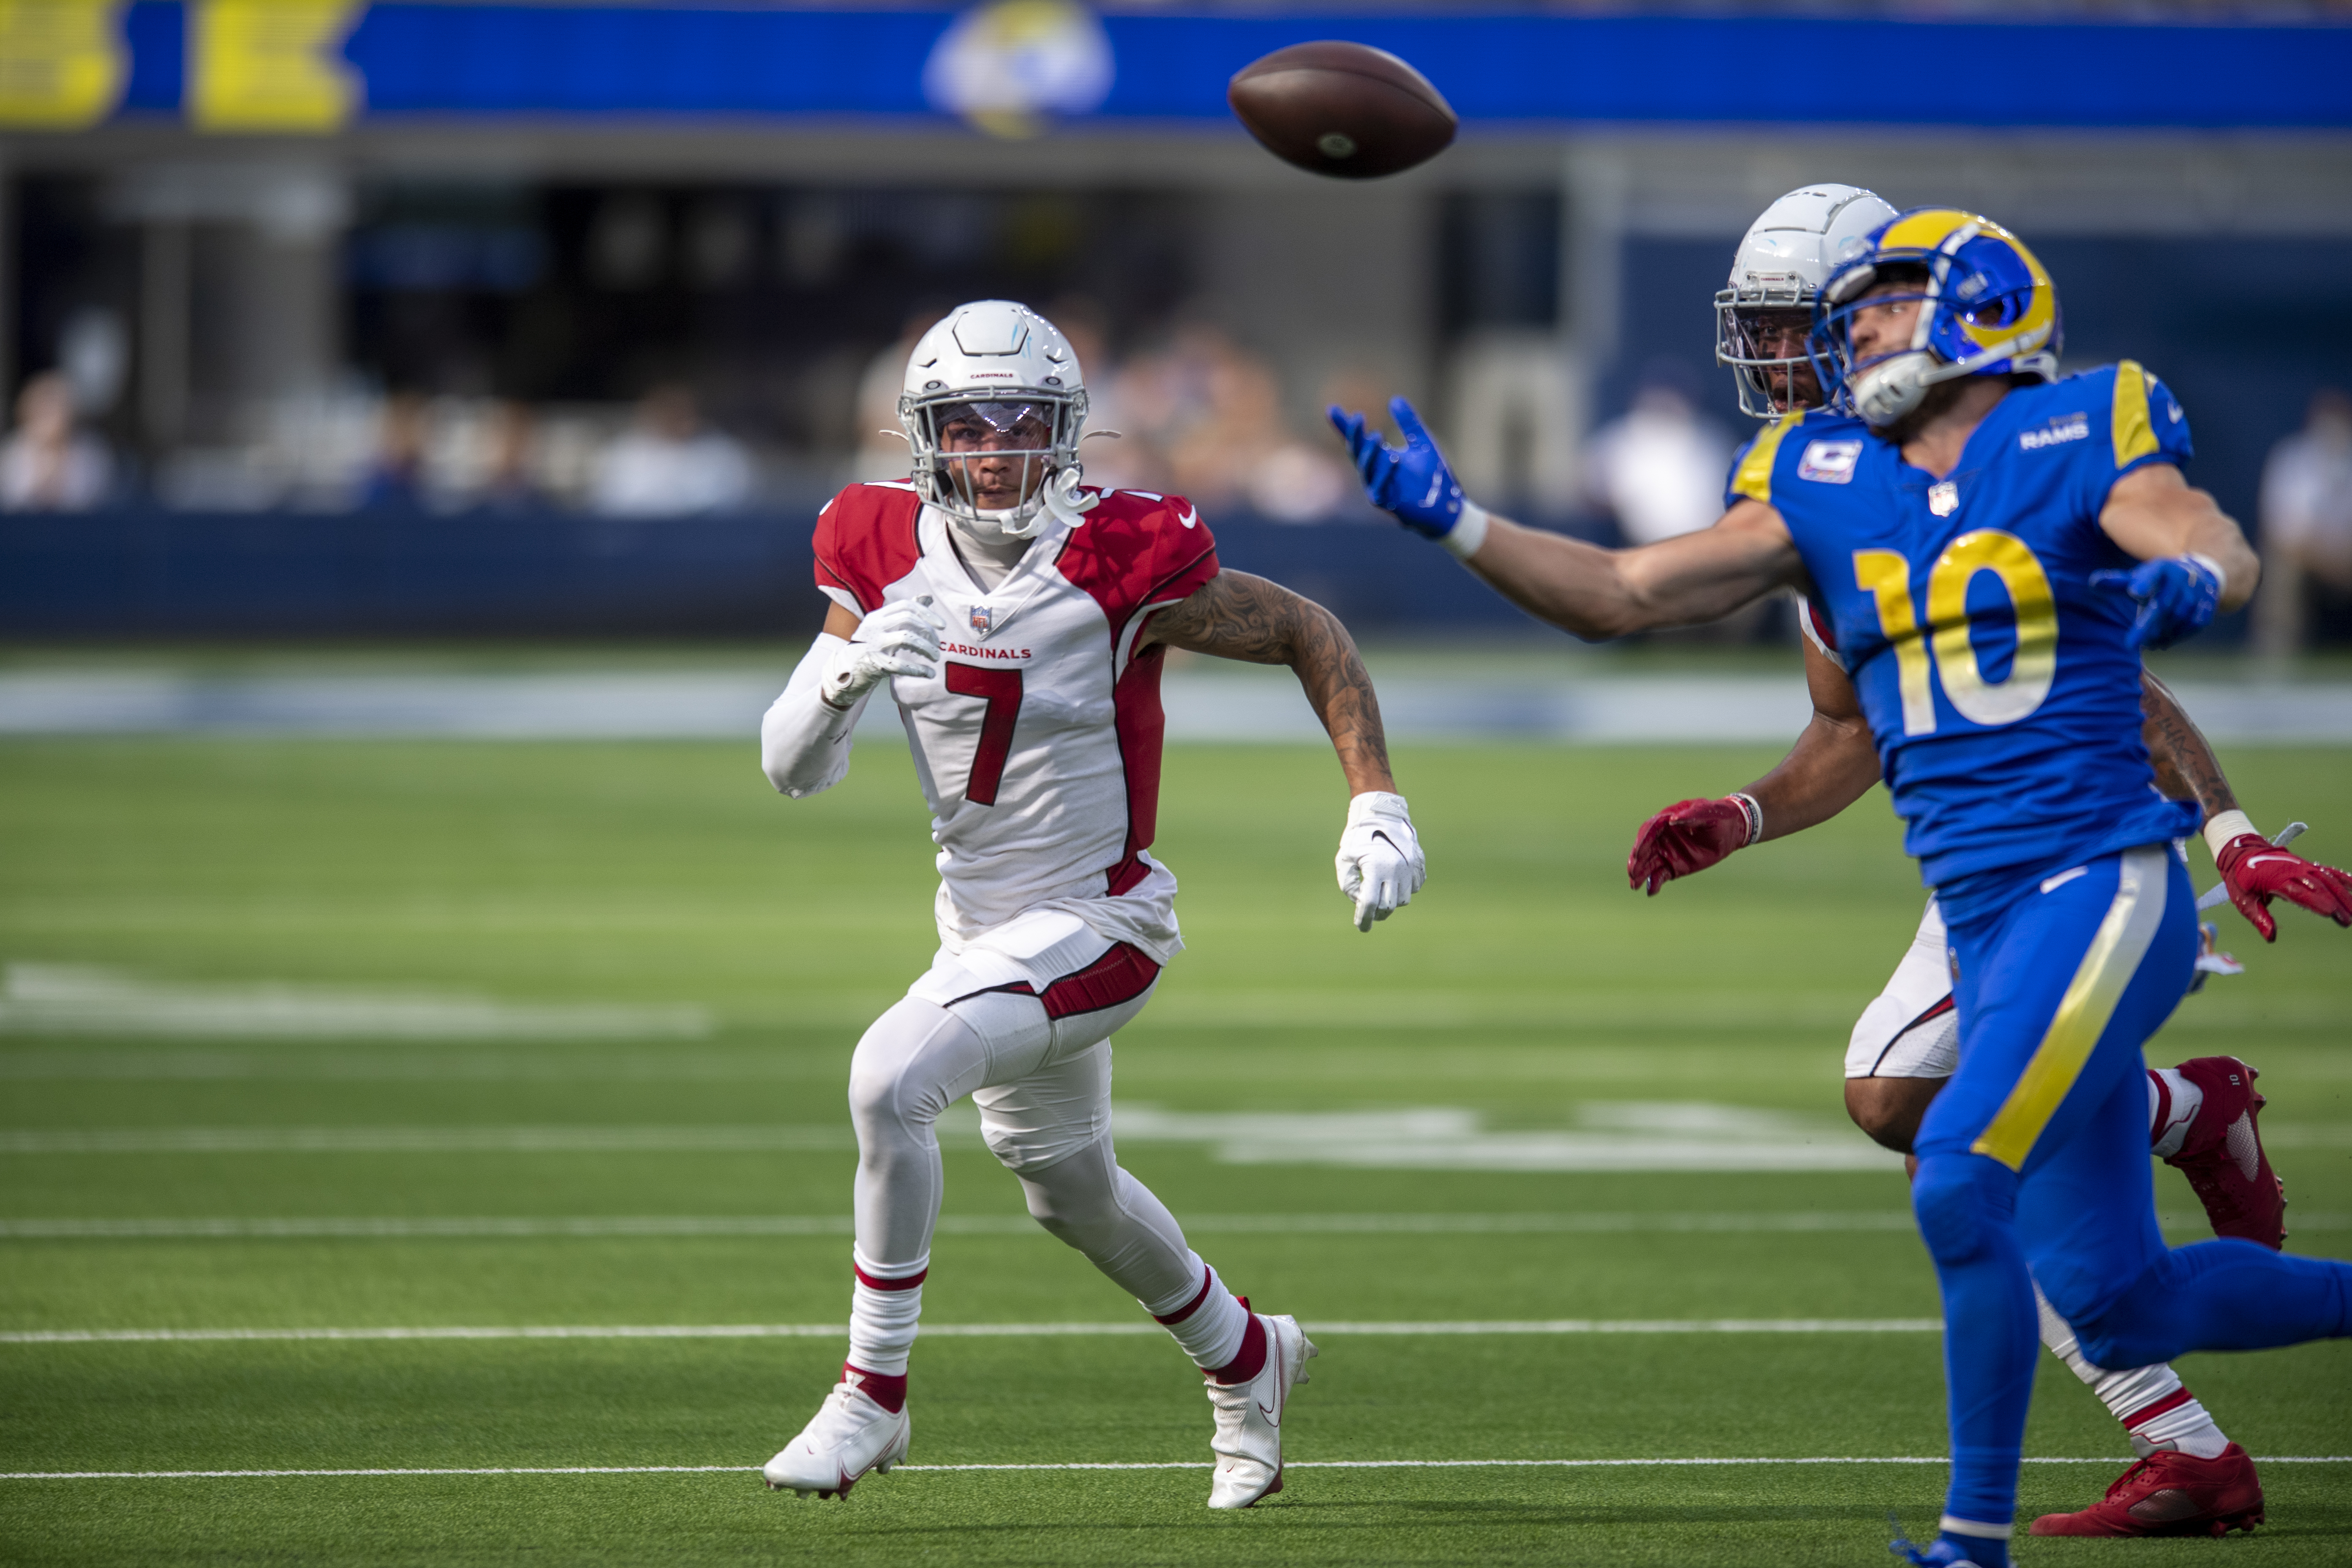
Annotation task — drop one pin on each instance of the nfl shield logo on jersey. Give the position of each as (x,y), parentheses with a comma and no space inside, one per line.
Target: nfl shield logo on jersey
(982,619)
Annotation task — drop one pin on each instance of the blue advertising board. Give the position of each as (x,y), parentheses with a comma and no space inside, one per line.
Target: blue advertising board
(1018,65)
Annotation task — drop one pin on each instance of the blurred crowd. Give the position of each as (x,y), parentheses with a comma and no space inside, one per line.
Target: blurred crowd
(1191,411)
(1194,413)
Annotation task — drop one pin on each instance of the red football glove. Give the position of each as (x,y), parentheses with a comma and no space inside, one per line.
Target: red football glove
(2255,870)
(1688,835)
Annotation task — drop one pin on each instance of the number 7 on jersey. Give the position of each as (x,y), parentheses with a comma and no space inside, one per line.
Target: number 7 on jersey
(1001,688)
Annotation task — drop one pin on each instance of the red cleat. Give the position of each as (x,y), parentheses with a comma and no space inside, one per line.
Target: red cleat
(2222,1156)
(2171,1494)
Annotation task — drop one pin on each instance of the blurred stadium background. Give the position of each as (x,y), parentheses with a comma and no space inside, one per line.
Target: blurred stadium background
(425,318)
(392,376)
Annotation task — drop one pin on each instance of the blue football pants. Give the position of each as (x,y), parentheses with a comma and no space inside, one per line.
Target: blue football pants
(2033,1166)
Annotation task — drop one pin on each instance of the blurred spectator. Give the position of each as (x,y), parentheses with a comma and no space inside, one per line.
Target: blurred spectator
(45,464)
(508,483)
(1207,416)
(1660,469)
(668,465)
(2307,522)
(395,478)
(1114,462)
(882,451)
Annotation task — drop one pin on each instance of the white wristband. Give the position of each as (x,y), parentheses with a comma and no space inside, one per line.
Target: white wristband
(2225,826)
(1754,811)
(1468,533)
(2220,578)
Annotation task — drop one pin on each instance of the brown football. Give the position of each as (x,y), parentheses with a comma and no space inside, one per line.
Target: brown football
(1345,110)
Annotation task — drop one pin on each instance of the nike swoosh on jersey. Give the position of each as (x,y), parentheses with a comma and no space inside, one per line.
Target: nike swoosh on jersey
(1190,517)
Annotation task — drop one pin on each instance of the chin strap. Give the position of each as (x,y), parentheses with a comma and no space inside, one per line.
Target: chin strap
(1064,499)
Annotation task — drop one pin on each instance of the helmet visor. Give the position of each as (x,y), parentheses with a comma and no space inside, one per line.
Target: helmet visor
(995,426)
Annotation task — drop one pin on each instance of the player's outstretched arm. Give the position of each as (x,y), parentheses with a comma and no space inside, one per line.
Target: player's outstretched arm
(1832,764)
(805,738)
(1580,587)
(2194,559)
(1236,615)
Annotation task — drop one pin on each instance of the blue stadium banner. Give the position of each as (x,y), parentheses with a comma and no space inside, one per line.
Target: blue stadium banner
(1015,66)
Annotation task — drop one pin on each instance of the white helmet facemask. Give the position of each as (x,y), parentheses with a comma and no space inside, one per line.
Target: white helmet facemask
(1776,274)
(994,405)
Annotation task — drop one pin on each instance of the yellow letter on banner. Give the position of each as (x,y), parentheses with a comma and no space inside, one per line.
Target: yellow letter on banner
(2007,557)
(61,63)
(1886,578)
(270,65)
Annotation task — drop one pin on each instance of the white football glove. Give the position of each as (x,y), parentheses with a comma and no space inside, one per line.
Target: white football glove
(900,639)
(1379,861)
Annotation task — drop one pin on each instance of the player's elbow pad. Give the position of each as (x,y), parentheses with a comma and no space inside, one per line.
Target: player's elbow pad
(804,740)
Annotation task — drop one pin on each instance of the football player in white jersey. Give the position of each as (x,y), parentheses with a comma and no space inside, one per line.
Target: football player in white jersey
(1019,619)
(2202,1113)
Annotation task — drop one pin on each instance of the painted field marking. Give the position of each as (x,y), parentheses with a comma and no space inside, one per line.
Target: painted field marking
(969,1331)
(1140,1464)
(367,1227)
(424,1139)
(370,1226)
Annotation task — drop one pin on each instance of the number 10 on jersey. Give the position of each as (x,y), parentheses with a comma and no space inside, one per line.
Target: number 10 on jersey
(1885,577)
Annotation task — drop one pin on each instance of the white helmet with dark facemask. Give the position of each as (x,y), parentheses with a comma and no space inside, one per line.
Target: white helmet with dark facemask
(1776,274)
(996,379)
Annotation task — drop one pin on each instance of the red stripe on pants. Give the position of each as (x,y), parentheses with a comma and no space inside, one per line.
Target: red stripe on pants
(1119,975)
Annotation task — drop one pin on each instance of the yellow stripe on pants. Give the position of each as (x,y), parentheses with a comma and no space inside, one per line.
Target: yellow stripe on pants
(2082,1013)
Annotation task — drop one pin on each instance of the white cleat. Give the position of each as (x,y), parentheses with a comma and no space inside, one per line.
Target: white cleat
(850,1435)
(1248,1444)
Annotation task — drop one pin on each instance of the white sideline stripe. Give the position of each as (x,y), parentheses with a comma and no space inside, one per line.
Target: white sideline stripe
(368,1227)
(975,1330)
(462,1227)
(427,1139)
(1138,1465)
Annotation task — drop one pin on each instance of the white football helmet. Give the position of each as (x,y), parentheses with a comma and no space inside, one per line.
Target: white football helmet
(998,379)
(1786,256)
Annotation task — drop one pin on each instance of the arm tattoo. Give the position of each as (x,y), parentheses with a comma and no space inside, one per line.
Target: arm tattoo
(2186,768)
(1236,615)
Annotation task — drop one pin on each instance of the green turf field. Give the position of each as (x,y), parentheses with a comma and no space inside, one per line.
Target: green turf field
(652,1113)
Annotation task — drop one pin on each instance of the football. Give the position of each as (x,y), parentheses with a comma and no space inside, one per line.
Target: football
(1345,110)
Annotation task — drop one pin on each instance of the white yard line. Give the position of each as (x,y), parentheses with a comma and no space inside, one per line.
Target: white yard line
(425,1139)
(971,1331)
(367,1227)
(1141,1465)
(370,1226)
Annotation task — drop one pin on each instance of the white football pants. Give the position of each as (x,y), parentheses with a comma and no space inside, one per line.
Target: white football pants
(1042,1088)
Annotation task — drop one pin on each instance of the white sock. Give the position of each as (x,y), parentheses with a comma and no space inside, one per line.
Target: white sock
(2184,1426)
(2173,1103)
(2156,1410)
(882,1314)
(1206,1319)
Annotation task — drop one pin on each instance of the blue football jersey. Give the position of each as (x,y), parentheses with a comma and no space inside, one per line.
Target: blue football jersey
(2000,685)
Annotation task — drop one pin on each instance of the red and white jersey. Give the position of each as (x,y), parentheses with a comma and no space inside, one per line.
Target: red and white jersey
(1037,741)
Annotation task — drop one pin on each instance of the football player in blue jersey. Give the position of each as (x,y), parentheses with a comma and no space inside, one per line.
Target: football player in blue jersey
(2188,1478)
(1993,547)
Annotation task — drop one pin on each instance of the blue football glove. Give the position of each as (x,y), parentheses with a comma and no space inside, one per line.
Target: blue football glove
(2177,597)
(1410,483)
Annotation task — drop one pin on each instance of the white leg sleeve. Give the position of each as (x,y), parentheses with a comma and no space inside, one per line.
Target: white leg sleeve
(2125,1392)
(804,740)
(915,1061)
(1091,1203)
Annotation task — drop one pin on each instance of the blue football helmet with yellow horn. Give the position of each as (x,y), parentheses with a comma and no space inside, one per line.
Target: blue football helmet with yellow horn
(1986,307)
